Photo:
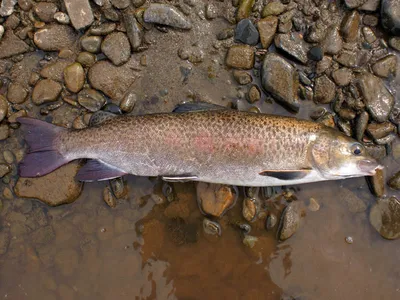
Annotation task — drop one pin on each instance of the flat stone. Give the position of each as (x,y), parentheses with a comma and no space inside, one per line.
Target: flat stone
(45,11)
(56,188)
(111,80)
(166,15)
(91,99)
(350,25)
(333,43)
(11,45)
(79,12)
(117,48)
(378,100)
(280,78)
(273,8)
(16,93)
(384,216)
(74,77)
(370,5)
(54,37)
(354,3)
(133,30)
(103,28)
(267,29)
(46,90)
(246,32)
(386,66)
(294,45)
(240,57)
(91,43)
(324,90)
(390,16)
(7,7)
(342,76)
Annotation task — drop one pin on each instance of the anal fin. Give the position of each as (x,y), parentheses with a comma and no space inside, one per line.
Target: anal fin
(286,174)
(95,170)
(179,178)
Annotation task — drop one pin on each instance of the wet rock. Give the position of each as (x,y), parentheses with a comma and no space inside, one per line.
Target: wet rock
(133,30)
(394,42)
(347,114)
(91,99)
(117,48)
(118,187)
(324,90)
(242,77)
(86,59)
(333,43)
(376,183)
(128,102)
(267,29)
(280,78)
(353,202)
(316,53)
(318,113)
(244,9)
(109,198)
(16,93)
(361,125)
(54,37)
(13,117)
(240,57)
(211,227)
(111,80)
(254,94)
(79,12)
(294,45)
(55,71)
(120,4)
(347,58)
(386,66)
(378,100)
(61,18)
(342,76)
(45,11)
(74,77)
(11,45)
(369,35)
(354,3)
(103,28)
(215,199)
(394,181)
(273,8)
(226,34)
(249,209)
(91,44)
(165,14)
(323,65)
(56,188)
(4,242)
(370,5)
(46,90)
(250,241)
(4,170)
(349,26)
(7,7)
(285,21)
(390,16)
(290,220)
(246,32)
(370,20)
(380,130)
(66,261)
(385,217)
(271,221)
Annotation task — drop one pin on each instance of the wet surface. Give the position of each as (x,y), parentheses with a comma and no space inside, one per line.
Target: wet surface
(154,247)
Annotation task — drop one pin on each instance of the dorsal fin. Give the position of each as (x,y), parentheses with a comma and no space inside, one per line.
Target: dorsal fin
(197,106)
(100,116)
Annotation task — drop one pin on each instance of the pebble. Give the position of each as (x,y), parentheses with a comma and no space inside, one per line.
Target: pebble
(254,94)
(7,7)
(86,59)
(324,90)
(61,18)
(316,53)
(128,102)
(323,65)
(386,66)
(244,9)
(74,77)
(79,12)
(211,227)
(369,35)
(354,3)
(376,183)
(246,32)
(11,45)
(240,57)
(317,113)
(347,114)
(345,127)
(133,30)
(394,181)
(120,4)
(117,48)
(394,42)
(45,11)
(294,45)
(361,125)
(111,80)
(7,193)
(385,217)
(103,28)
(1,31)
(350,25)
(342,76)
(386,140)
(390,16)
(91,99)
(273,8)
(280,78)
(378,100)
(370,20)
(165,14)
(313,205)
(4,170)
(91,44)
(3,107)
(380,130)
(249,209)
(271,221)
(54,37)
(242,77)
(109,198)
(370,5)
(211,11)
(215,199)
(333,43)
(290,221)
(226,34)
(118,187)
(25,5)
(46,90)
(349,240)
(13,117)
(347,58)
(267,29)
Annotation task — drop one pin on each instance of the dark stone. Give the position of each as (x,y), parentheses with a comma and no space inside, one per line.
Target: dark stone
(316,53)
(246,32)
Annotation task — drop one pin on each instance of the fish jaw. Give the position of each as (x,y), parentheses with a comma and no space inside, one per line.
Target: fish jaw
(369,166)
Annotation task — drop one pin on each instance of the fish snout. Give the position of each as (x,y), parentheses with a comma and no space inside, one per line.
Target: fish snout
(369,166)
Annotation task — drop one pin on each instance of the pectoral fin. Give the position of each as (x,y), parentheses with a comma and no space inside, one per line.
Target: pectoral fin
(95,170)
(179,178)
(286,174)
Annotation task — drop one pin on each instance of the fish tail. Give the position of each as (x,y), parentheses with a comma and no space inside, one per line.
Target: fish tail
(42,156)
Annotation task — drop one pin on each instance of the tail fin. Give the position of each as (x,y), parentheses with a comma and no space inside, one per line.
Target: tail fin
(41,158)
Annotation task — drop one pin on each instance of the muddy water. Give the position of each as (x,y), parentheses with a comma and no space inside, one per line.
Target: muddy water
(136,251)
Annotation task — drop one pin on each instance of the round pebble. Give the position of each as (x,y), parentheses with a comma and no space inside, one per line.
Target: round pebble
(349,240)
(74,77)
(316,53)
(91,43)
(86,59)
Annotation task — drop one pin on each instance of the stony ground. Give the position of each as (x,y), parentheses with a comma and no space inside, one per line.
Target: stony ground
(65,61)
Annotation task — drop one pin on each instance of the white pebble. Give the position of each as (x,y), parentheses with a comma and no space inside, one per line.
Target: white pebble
(61,17)
(349,240)
(1,31)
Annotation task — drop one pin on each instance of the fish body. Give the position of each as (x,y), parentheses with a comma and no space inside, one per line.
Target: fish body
(217,146)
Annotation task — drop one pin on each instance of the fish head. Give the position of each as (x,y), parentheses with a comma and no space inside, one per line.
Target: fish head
(336,155)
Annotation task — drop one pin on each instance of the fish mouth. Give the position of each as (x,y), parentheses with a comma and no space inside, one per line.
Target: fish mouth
(369,167)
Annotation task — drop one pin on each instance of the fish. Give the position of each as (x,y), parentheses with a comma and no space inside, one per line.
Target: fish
(198,142)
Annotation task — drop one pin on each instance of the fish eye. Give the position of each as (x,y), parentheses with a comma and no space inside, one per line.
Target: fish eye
(356,149)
